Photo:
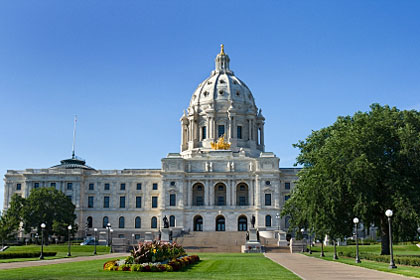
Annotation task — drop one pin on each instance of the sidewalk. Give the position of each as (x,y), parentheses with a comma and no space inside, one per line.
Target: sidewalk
(56,261)
(309,268)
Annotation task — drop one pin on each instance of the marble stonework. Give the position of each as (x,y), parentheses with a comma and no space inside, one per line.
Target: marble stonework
(206,185)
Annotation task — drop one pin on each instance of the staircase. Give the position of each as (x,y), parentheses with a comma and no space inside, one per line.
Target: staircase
(270,245)
(216,241)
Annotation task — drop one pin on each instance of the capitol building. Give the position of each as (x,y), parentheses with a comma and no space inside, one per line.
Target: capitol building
(219,180)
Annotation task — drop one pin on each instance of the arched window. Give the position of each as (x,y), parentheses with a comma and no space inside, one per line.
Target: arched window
(198,223)
(198,195)
(137,222)
(89,222)
(172,221)
(121,222)
(242,223)
(154,222)
(105,221)
(220,223)
(268,221)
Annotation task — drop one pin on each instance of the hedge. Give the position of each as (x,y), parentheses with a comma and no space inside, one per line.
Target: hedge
(404,260)
(15,255)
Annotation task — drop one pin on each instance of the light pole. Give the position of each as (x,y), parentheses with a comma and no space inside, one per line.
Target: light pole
(41,257)
(110,246)
(356,225)
(310,243)
(335,257)
(132,239)
(389,213)
(302,230)
(94,239)
(108,227)
(69,252)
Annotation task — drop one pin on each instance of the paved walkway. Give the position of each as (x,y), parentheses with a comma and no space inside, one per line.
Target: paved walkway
(63,260)
(309,268)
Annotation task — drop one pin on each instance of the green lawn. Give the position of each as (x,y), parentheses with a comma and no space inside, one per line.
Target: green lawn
(373,249)
(76,251)
(211,266)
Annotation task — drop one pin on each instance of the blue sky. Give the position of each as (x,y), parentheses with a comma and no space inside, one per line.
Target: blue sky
(128,70)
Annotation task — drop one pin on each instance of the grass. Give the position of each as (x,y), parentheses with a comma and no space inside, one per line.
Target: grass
(76,251)
(373,249)
(211,266)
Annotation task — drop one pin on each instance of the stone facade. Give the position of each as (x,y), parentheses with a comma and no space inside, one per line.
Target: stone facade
(198,189)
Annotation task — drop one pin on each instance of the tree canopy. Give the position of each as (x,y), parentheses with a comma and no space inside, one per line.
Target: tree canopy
(49,206)
(360,166)
(43,205)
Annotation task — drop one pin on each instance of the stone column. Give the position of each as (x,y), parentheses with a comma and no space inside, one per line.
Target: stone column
(230,131)
(206,193)
(211,193)
(228,193)
(262,134)
(257,192)
(234,190)
(190,193)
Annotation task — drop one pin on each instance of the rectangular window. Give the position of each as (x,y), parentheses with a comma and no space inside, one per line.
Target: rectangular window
(199,201)
(154,201)
(36,185)
(52,185)
(106,201)
(90,201)
(242,200)
(172,200)
(268,199)
(155,186)
(138,201)
(120,235)
(18,187)
(69,186)
(286,197)
(203,133)
(138,186)
(122,187)
(287,185)
(137,236)
(91,186)
(122,201)
(239,132)
(220,200)
(220,130)
(106,187)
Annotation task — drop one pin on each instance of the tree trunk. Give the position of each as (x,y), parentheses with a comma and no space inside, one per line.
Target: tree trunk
(384,236)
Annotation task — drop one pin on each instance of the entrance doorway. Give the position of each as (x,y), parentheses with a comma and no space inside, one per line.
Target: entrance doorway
(242,223)
(198,223)
(220,223)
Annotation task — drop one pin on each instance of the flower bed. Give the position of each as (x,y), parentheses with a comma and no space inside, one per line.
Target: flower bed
(153,257)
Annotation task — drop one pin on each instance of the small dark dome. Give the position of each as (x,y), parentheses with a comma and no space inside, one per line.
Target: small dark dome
(72,163)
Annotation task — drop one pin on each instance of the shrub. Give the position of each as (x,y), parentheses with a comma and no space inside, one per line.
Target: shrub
(404,260)
(15,255)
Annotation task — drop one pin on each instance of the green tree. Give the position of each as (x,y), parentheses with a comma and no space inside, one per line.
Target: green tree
(49,206)
(10,220)
(361,166)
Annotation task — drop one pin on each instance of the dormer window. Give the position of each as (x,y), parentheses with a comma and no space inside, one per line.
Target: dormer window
(206,93)
(221,92)
(222,81)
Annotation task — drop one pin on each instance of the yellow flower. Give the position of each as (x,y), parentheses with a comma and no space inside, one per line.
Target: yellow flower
(154,251)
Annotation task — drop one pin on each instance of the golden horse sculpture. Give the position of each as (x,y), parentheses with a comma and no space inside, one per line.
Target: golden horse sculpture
(220,144)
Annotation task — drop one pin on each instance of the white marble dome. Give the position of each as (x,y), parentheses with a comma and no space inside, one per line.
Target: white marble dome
(222,105)
(223,89)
